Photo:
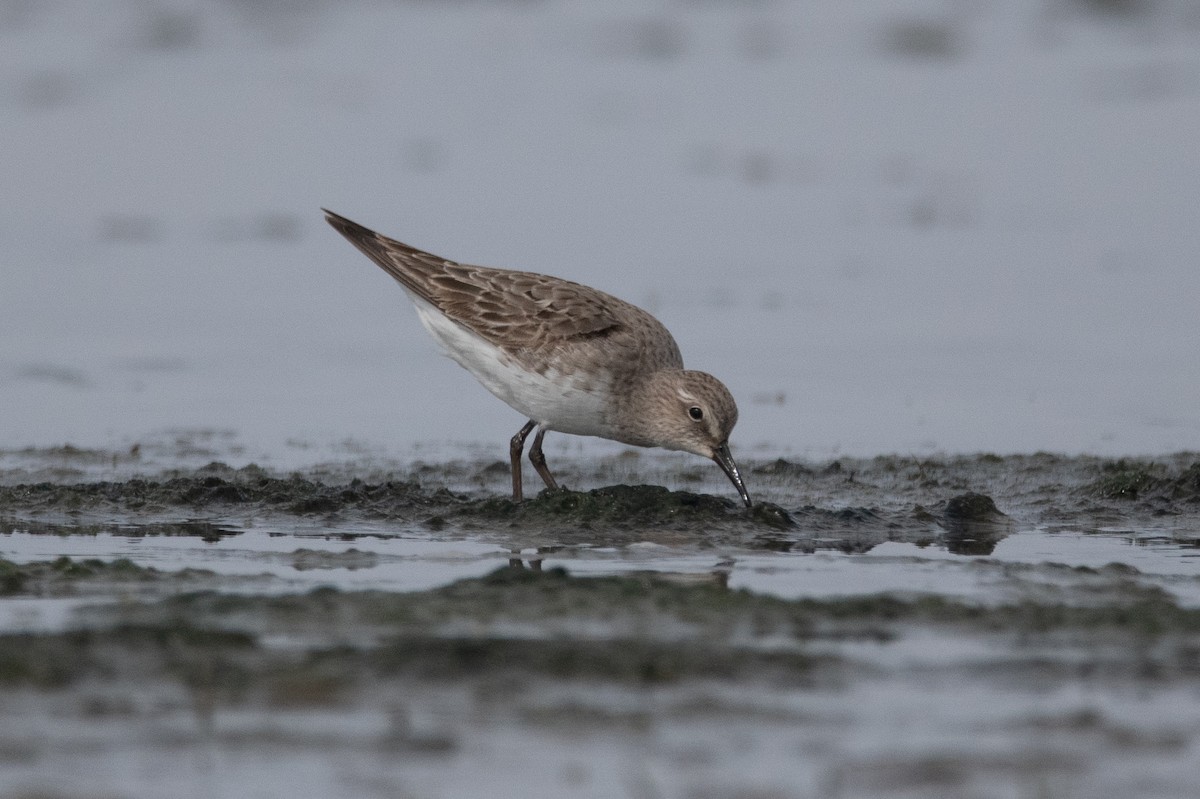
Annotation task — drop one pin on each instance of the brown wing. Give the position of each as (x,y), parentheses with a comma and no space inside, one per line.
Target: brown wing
(513,310)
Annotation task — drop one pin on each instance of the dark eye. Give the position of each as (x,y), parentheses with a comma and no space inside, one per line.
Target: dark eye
(695,413)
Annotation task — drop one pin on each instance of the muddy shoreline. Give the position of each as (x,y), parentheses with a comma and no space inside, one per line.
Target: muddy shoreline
(884,498)
(618,618)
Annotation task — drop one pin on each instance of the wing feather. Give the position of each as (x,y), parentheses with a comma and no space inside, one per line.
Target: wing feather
(520,312)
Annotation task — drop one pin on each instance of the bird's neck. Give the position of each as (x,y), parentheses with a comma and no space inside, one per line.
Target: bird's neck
(634,412)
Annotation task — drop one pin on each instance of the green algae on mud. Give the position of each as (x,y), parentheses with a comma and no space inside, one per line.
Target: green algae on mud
(249,491)
(65,576)
(243,489)
(173,650)
(625,507)
(1147,480)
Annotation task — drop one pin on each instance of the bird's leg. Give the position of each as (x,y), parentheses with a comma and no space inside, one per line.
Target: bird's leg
(539,461)
(515,448)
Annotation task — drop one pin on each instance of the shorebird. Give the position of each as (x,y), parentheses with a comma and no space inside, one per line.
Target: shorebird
(568,357)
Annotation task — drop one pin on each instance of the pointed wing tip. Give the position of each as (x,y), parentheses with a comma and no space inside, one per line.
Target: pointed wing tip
(333,218)
(392,256)
(348,228)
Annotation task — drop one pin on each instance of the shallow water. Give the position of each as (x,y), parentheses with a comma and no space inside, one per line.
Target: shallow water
(278,561)
(331,633)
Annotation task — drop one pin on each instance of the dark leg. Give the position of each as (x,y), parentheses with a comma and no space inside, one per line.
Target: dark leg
(514,451)
(539,461)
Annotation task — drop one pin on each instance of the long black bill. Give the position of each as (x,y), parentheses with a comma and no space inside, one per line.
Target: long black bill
(724,459)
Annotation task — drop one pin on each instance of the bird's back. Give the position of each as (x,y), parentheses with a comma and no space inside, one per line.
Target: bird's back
(539,320)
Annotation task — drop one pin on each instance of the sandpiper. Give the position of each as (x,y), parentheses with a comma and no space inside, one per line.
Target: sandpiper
(568,357)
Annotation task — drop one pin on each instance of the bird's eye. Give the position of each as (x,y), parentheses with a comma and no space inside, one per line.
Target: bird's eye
(695,413)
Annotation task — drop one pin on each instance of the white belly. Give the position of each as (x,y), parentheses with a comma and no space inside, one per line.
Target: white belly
(555,401)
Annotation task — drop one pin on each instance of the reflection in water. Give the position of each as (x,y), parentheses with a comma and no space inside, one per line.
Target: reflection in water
(969,537)
(967,524)
(207,531)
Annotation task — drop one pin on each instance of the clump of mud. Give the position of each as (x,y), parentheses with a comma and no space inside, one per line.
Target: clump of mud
(627,507)
(972,523)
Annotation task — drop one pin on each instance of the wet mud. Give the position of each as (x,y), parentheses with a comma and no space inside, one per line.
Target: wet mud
(521,624)
(847,504)
(525,653)
(1068,677)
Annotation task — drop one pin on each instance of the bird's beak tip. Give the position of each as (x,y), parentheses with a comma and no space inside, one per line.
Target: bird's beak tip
(724,459)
